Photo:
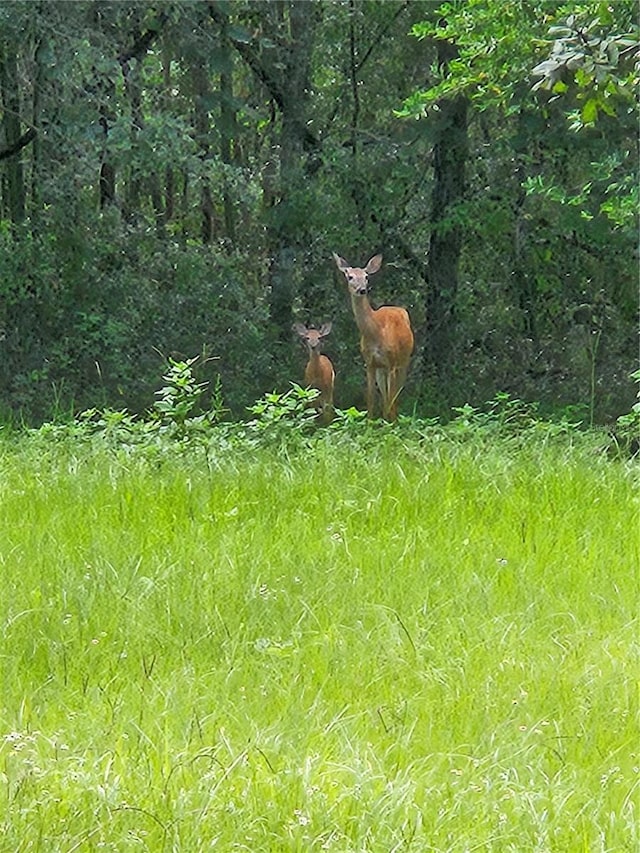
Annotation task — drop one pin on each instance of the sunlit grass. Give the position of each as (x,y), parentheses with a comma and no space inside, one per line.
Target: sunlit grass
(413,647)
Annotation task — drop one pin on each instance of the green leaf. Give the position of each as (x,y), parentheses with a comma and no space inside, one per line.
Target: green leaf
(589,111)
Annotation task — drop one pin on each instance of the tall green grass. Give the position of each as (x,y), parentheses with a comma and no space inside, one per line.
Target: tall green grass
(409,645)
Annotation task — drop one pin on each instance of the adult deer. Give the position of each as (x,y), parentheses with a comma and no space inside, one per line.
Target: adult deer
(319,372)
(386,339)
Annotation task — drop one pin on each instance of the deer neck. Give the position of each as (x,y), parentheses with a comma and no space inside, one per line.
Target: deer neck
(365,315)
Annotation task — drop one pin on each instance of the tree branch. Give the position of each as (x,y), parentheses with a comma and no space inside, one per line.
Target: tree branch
(144,41)
(378,35)
(268,76)
(17,146)
(265,74)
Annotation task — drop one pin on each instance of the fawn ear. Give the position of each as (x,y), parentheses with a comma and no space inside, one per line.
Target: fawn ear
(340,262)
(325,328)
(374,265)
(300,329)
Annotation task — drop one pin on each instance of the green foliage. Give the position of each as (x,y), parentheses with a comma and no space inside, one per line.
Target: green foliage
(627,432)
(615,194)
(590,53)
(591,60)
(346,418)
(509,419)
(145,295)
(283,418)
(593,65)
(566,198)
(495,42)
(493,45)
(181,394)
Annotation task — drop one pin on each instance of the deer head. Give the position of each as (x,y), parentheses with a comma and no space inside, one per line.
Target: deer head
(312,337)
(357,278)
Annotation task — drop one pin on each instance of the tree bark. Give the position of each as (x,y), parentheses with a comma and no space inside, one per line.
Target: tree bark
(450,156)
(133,90)
(202,96)
(107,181)
(17,146)
(9,87)
(165,212)
(227,128)
(287,232)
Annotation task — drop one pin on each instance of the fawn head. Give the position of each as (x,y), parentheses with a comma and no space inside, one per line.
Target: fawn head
(312,337)
(357,278)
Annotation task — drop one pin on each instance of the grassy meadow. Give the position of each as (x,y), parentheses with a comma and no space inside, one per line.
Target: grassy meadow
(391,643)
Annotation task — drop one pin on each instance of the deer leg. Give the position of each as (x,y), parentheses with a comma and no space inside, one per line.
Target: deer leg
(371,391)
(383,385)
(327,410)
(389,403)
(382,378)
(392,390)
(399,377)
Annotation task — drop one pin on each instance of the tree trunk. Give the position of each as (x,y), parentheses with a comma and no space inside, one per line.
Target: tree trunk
(522,280)
(450,156)
(132,190)
(107,182)
(166,212)
(287,232)
(39,155)
(202,96)
(227,128)
(9,87)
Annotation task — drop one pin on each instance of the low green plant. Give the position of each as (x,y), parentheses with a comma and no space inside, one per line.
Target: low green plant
(503,414)
(112,423)
(346,418)
(281,417)
(627,432)
(180,394)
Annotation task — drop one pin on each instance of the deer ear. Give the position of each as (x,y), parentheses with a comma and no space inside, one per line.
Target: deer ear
(340,262)
(300,329)
(374,265)
(325,329)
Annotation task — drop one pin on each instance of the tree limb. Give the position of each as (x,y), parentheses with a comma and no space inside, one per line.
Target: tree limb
(144,41)
(19,144)
(378,35)
(267,75)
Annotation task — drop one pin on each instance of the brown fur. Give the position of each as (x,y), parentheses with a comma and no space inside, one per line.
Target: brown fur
(319,372)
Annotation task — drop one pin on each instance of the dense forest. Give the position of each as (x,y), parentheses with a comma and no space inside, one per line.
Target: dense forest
(174,177)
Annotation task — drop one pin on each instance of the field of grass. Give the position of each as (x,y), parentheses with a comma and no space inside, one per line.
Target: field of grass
(412,645)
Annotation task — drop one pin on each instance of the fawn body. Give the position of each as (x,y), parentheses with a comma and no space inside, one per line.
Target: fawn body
(319,372)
